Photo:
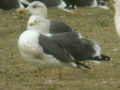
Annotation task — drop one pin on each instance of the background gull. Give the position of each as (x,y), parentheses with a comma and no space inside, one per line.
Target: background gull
(52,4)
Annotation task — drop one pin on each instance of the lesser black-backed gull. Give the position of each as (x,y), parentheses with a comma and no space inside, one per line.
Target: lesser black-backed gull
(39,45)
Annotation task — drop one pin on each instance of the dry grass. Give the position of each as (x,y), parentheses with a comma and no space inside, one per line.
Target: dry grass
(93,23)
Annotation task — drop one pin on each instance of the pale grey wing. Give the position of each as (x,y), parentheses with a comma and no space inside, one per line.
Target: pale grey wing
(51,47)
(59,27)
(79,48)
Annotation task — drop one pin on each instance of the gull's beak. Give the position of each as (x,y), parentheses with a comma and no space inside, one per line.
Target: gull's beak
(22,10)
(111,5)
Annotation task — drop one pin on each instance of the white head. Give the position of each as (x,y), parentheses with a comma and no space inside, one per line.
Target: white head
(37,8)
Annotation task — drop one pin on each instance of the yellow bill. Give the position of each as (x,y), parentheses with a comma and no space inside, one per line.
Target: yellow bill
(21,11)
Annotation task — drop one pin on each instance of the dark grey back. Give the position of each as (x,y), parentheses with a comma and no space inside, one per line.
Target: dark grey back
(59,27)
(80,49)
(65,45)
(51,47)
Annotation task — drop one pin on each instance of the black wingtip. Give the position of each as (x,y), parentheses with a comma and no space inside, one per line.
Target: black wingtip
(103,58)
(79,65)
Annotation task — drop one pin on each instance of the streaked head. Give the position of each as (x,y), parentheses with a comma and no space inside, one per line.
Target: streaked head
(36,8)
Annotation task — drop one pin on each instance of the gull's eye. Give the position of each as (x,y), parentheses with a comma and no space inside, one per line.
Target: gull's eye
(34,6)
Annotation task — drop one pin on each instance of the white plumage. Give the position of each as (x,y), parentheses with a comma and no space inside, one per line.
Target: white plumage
(32,51)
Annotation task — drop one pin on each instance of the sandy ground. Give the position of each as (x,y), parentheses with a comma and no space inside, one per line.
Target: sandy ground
(95,24)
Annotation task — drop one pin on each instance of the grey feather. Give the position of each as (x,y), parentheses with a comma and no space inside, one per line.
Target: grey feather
(79,48)
(59,27)
(51,47)
(68,46)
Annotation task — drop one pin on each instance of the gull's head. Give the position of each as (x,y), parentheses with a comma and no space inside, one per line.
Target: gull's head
(36,8)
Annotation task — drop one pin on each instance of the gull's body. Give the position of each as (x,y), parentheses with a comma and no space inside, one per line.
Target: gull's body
(39,44)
